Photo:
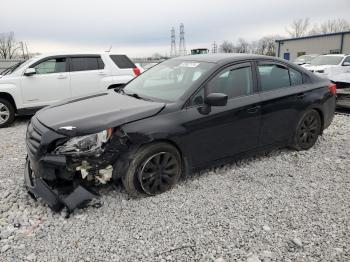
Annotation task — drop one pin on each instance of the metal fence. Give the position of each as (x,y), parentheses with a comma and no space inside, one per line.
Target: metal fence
(6,63)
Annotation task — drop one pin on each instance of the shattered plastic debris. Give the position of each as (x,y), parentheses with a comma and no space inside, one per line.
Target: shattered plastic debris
(105,175)
(83,169)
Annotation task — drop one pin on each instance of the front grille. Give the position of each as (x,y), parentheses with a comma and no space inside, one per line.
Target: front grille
(33,139)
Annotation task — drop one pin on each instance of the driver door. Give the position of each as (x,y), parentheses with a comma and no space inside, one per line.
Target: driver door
(226,130)
(50,84)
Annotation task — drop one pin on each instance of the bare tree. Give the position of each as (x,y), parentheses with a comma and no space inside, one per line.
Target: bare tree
(227,47)
(299,27)
(331,26)
(267,46)
(242,46)
(8,46)
(334,26)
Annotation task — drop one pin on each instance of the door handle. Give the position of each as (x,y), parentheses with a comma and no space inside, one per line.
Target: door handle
(102,73)
(301,96)
(253,110)
(61,76)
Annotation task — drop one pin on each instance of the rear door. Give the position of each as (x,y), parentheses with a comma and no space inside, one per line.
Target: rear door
(86,74)
(227,130)
(50,84)
(282,96)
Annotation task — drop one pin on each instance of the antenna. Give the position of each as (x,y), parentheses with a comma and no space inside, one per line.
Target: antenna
(182,47)
(173,44)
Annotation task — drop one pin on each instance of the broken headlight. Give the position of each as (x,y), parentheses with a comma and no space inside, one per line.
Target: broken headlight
(85,145)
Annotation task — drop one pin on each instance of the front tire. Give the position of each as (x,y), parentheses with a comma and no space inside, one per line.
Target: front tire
(7,113)
(307,131)
(154,169)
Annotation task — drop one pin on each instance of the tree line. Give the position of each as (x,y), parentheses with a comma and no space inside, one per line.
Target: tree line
(298,28)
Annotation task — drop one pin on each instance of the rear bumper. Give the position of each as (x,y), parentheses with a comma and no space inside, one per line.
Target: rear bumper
(55,198)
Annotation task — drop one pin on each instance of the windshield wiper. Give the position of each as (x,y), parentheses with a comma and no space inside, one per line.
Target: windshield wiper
(137,96)
(134,95)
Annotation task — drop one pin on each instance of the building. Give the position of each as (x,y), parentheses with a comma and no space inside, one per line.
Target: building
(333,43)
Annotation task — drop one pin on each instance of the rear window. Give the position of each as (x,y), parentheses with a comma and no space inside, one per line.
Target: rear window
(273,76)
(122,61)
(86,63)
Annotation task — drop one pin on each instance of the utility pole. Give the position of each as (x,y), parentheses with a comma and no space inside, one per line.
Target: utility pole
(173,52)
(182,47)
(214,49)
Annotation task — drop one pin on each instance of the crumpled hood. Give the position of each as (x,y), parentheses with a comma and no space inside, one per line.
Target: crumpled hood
(97,112)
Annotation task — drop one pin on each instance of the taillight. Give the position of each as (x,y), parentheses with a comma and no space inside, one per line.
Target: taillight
(333,88)
(137,71)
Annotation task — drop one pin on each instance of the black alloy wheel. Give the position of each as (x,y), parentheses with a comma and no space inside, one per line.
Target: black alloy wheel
(159,172)
(308,130)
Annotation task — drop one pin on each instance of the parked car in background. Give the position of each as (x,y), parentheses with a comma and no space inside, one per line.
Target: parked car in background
(46,79)
(305,59)
(329,65)
(185,113)
(335,67)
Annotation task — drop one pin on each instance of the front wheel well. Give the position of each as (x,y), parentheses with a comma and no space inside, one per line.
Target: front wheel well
(9,98)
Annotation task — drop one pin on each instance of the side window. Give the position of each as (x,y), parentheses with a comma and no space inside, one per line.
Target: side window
(50,66)
(296,78)
(233,82)
(86,63)
(273,76)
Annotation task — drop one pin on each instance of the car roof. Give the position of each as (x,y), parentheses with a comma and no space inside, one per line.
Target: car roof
(73,53)
(223,57)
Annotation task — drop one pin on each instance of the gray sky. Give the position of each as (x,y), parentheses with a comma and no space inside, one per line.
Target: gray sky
(142,27)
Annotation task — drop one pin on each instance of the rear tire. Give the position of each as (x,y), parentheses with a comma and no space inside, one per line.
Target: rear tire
(154,169)
(307,131)
(7,113)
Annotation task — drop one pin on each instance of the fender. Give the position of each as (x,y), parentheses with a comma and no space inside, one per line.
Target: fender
(14,91)
(147,131)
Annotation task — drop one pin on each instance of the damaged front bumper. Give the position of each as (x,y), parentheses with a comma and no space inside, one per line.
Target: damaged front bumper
(65,179)
(56,198)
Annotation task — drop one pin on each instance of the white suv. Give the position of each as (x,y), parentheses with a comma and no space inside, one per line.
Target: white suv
(46,79)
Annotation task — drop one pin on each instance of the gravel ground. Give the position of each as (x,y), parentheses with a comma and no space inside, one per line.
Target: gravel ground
(279,206)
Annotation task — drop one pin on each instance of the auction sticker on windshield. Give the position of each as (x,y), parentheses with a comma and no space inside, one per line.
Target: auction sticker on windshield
(187,64)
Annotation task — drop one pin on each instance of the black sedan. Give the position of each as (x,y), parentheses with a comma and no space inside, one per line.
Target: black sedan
(186,113)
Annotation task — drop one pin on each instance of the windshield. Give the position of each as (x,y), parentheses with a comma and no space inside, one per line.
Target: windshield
(167,81)
(327,60)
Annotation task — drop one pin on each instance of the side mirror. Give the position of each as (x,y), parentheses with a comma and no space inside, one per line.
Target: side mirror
(346,64)
(29,72)
(216,99)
